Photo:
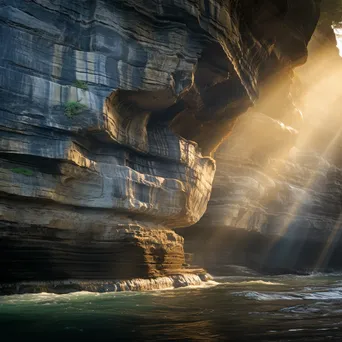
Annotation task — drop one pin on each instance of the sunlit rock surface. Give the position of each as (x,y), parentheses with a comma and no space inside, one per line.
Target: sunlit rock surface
(109,111)
(262,177)
(273,207)
(276,202)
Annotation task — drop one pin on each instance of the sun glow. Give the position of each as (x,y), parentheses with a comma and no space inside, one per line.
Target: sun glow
(321,132)
(338,33)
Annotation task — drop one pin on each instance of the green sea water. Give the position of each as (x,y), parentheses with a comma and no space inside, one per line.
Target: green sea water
(281,308)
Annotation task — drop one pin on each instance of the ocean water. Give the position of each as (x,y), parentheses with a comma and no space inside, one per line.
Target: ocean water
(273,308)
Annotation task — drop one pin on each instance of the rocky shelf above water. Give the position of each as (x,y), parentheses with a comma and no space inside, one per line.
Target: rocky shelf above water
(198,278)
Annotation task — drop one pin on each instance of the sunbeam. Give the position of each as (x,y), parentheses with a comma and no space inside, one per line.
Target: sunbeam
(319,99)
(327,250)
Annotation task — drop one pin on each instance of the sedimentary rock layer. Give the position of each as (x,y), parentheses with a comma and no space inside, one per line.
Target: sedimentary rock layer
(276,203)
(273,207)
(109,111)
(84,250)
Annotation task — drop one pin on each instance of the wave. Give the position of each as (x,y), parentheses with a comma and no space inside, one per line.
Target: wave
(266,296)
(301,309)
(333,294)
(313,274)
(203,285)
(45,298)
(255,282)
(100,286)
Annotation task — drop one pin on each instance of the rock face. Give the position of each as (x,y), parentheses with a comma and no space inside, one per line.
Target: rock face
(109,112)
(273,207)
(276,203)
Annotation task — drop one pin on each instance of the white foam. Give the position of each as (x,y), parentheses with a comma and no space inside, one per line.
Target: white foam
(266,296)
(256,282)
(333,294)
(158,285)
(207,284)
(296,329)
(45,298)
(326,295)
(300,309)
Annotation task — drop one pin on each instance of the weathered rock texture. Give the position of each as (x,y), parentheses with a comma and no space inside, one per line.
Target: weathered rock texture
(276,203)
(108,109)
(273,207)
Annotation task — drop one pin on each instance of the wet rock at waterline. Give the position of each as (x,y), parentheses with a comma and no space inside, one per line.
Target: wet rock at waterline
(109,112)
(101,286)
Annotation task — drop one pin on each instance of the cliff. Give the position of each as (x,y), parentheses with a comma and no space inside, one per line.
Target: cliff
(276,202)
(274,207)
(110,111)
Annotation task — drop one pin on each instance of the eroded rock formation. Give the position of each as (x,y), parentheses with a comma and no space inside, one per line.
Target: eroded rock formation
(276,203)
(273,207)
(109,112)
